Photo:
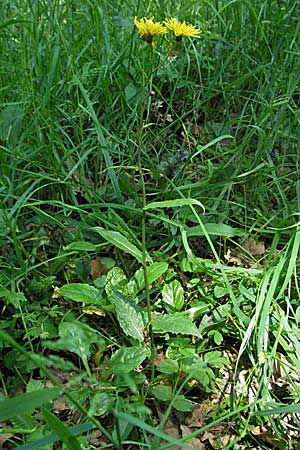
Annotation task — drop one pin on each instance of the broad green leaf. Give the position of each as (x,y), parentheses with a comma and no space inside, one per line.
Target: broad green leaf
(11,119)
(127,359)
(168,366)
(26,403)
(79,246)
(61,430)
(162,392)
(117,279)
(16,298)
(76,337)
(175,323)
(100,404)
(154,271)
(173,294)
(215,359)
(120,241)
(216,229)
(34,385)
(129,315)
(182,404)
(200,371)
(81,292)
(220,291)
(174,203)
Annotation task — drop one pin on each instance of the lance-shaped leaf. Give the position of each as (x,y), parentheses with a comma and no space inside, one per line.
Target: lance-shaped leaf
(129,315)
(120,241)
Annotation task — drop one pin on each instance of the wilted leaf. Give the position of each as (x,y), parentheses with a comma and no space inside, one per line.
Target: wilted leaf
(254,248)
(175,323)
(129,315)
(4,437)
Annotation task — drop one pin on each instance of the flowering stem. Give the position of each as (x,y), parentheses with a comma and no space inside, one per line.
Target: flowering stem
(144,203)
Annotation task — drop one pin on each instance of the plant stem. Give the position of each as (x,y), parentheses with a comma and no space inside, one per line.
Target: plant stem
(143,224)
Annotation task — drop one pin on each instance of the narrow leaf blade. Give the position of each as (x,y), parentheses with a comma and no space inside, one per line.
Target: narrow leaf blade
(120,241)
(26,403)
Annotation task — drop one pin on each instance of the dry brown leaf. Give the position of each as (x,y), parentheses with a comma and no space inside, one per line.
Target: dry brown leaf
(232,259)
(96,438)
(199,414)
(97,269)
(194,442)
(4,437)
(265,434)
(60,404)
(218,437)
(160,357)
(256,249)
(171,429)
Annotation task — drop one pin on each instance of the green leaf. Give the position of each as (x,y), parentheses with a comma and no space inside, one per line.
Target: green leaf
(80,246)
(61,430)
(81,292)
(173,294)
(130,317)
(162,392)
(11,119)
(75,337)
(175,323)
(120,241)
(168,366)
(216,229)
(100,404)
(182,404)
(16,298)
(154,271)
(127,359)
(174,203)
(215,359)
(26,403)
(116,278)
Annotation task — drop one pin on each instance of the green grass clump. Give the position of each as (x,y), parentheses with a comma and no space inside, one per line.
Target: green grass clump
(149,226)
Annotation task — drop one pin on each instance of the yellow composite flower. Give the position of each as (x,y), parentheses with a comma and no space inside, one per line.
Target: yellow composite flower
(148,29)
(181,29)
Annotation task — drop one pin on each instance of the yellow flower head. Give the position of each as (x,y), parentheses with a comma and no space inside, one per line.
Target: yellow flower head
(148,29)
(181,28)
